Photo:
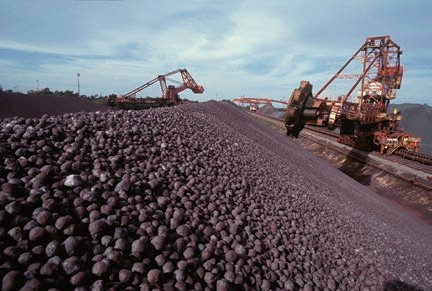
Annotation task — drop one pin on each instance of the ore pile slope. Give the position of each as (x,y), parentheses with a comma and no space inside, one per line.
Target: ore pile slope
(389,228)
(35,105)
(189,197)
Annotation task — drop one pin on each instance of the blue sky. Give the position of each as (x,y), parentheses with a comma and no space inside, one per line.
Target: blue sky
(233,48)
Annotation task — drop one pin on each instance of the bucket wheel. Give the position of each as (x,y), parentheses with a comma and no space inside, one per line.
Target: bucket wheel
(296,104)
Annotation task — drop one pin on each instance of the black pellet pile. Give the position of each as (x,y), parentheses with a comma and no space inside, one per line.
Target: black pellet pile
(172,198)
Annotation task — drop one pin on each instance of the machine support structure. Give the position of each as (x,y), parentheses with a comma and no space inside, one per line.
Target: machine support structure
(365,123)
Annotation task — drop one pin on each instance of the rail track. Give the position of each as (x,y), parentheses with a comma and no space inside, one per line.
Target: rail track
(423,165)
(402,154)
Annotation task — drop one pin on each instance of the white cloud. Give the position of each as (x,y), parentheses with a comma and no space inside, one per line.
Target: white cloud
(256,48)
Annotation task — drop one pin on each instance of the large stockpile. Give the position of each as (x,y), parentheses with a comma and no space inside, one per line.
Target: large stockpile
(269,110)
(190,197)
(36,105)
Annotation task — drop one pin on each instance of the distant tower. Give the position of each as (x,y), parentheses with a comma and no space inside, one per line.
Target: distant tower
(37,85)
(78,75)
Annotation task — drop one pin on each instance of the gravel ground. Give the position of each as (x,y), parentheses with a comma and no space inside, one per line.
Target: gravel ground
(194,197)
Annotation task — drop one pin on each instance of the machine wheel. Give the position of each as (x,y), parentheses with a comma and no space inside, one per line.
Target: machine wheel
(334,116)
(379,140)
(378,137)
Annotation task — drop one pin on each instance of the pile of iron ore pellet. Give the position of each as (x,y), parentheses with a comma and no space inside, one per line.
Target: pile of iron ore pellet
(169,198)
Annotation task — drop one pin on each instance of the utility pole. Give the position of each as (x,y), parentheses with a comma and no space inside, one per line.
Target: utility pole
(37,85)
(78,75)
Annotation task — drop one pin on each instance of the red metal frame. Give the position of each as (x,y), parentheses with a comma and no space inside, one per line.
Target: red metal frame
(169,92)
(363,124)
(382,72)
